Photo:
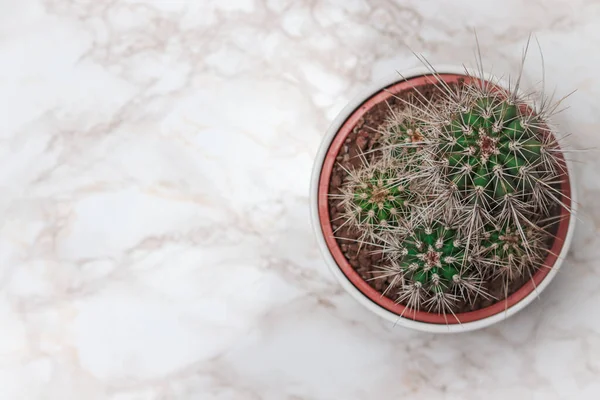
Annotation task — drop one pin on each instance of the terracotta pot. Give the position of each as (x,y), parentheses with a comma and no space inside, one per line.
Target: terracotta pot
(351,280)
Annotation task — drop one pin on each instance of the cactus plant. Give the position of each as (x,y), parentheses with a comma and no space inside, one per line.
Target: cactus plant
(491,148)
(473,157)
(427,268)
(506,253)
(377,199)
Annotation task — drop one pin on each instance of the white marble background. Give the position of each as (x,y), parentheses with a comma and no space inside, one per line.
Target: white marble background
(154,233)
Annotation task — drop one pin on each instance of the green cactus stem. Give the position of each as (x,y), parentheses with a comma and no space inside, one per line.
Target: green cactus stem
(490,148)
(432,257)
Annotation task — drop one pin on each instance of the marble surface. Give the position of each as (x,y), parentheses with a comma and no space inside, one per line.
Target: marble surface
(154,231)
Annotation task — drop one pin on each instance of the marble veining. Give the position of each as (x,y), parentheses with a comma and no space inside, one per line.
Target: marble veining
(154,234)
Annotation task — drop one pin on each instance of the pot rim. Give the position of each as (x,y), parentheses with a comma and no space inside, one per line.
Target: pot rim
(370,302)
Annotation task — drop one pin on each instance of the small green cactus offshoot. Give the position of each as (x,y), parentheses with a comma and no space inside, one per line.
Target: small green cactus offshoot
(404,135)
(405,138)
(430,268)
(507,253)
(432,257)
(491,148)
(378,199)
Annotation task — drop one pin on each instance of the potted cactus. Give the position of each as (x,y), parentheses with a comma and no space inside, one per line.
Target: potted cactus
(442,199)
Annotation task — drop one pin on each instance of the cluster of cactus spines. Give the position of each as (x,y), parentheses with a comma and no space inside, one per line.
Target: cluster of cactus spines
(474,157)
(431,264)
(377,199)
(405,134)
(491,150)
(506,253)
(432,256)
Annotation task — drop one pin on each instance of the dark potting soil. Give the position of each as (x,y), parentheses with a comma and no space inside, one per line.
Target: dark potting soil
(364,258)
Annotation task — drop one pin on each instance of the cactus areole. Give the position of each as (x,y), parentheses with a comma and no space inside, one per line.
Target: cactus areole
(460,195)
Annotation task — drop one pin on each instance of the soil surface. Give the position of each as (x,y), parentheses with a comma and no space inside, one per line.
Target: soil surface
(364,258)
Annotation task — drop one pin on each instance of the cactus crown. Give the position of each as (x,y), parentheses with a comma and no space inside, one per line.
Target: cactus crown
(491,147)
(380,199)
(459,194)
(432,256)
